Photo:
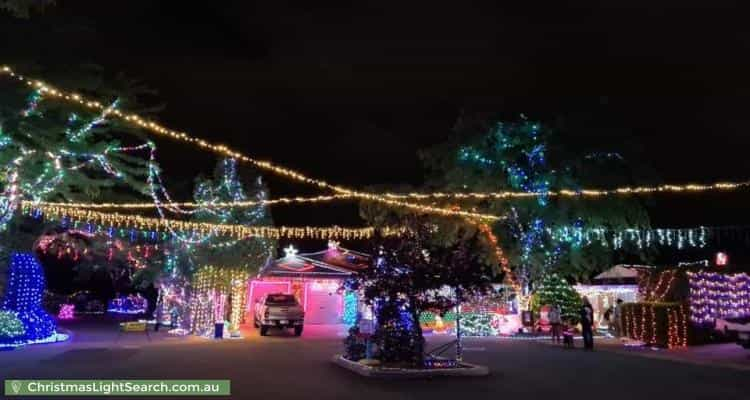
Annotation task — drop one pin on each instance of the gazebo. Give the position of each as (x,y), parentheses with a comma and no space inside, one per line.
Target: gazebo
(618,282)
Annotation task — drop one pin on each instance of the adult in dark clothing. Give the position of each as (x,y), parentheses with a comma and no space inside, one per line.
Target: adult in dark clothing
(587,324)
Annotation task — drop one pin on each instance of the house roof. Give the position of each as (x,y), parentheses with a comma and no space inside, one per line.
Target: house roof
(621,272)
(334,262)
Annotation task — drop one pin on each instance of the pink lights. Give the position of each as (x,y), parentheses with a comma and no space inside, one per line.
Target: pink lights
(66,311)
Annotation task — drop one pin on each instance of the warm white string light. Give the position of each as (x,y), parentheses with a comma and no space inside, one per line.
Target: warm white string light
(392,199)
(237,231)
(151,126)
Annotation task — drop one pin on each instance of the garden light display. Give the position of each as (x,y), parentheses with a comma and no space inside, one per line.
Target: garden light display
(11,328)
(641,321)
(23,297)
(350,308)
(66,311)
(715,295)
(131,304)
(213,290)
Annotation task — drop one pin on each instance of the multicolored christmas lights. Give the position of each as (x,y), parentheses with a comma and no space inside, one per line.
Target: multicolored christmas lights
(386,198)
(131,304)
(211,287)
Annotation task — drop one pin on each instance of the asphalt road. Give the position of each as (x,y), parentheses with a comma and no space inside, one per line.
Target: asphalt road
(285,367)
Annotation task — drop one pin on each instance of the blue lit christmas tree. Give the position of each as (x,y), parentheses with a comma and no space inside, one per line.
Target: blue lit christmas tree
(23,296)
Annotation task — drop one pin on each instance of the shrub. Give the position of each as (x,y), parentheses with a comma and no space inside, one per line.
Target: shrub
(657,324)
(11,327)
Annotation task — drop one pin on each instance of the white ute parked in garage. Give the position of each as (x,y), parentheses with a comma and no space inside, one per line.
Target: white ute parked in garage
(279,310)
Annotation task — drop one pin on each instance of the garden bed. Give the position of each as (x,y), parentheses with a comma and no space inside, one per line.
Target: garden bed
(464,370)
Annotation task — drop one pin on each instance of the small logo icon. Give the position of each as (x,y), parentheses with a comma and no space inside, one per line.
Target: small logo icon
(16,386)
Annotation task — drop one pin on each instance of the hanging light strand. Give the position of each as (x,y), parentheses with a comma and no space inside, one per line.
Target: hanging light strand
(236,231)
(47,90)
(392,199)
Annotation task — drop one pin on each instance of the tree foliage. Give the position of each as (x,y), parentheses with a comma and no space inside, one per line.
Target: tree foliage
(523,155)
(410,275)
(24,8)
(226,186)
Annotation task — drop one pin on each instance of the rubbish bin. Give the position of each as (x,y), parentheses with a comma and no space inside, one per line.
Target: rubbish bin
(219,330)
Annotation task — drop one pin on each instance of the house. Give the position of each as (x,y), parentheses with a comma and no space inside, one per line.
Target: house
(316,279)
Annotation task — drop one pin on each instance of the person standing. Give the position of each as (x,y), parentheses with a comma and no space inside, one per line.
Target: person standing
(617,318)
(587,324)
(555,321)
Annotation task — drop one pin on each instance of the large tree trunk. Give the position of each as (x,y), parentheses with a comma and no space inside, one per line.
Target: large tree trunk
(419,345)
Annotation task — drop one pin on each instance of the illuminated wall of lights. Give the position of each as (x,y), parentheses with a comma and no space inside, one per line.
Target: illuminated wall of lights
(658,324)
(215,290)
(714,295)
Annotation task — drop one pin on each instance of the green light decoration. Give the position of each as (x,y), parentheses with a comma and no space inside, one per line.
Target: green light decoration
(554,289)
(11,327)
(350,308)
(477,324)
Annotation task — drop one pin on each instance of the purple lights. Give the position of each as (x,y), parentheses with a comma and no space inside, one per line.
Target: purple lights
(714,295)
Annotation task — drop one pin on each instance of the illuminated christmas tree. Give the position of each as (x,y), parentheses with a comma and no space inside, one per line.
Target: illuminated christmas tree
(23,296)
(555,290)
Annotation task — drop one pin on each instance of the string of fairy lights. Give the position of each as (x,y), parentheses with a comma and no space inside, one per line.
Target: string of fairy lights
(189,205)
(140,223)
(84,211)
(391,199)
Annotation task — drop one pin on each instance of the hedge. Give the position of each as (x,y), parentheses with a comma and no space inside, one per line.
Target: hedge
(657,324)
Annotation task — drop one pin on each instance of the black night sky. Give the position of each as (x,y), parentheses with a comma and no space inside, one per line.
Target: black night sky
(349,92)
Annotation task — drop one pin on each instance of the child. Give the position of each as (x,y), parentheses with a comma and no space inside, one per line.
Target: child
(567,336)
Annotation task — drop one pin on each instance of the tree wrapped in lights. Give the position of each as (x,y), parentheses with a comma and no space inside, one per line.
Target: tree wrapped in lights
(58,151)
(555,290)
(226,186)
(538,233)
(75,153)
(408,276)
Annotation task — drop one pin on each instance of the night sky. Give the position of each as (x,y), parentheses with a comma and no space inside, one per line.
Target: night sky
(349,92)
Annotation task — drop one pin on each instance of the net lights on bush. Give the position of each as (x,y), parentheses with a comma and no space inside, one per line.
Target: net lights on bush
(644,322)
(66,312)
(714,295)
(11,328)
(23,296)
